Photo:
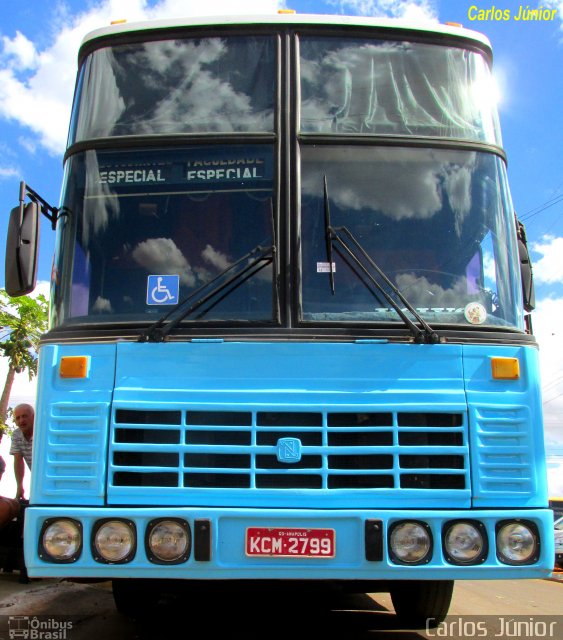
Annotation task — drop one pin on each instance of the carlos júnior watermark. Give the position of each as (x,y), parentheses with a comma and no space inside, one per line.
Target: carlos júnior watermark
(496,627)
(39,628)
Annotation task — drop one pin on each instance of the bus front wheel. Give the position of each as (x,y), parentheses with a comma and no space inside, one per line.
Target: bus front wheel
(422,603)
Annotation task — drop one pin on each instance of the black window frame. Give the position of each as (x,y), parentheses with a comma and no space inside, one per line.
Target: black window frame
(287,141)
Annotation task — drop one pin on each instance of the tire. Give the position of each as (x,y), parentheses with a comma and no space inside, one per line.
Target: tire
(134,598)
(422,603)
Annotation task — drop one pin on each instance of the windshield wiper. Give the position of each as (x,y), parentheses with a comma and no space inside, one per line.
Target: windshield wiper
(225,282)
(328,238)
(353,253)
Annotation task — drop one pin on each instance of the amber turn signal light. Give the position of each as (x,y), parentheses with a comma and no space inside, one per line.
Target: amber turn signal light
(505,368)
(73,367)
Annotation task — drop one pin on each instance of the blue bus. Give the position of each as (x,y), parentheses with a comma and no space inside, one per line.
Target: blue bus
(289,325)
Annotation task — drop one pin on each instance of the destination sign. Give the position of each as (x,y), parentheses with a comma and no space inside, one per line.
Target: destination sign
(225,169)
(211,168)
(131,176)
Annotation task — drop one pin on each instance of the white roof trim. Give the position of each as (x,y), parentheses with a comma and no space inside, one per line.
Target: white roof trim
(293,19)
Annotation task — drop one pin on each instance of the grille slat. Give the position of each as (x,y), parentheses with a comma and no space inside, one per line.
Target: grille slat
(504,451)
(349,451)
(136,416)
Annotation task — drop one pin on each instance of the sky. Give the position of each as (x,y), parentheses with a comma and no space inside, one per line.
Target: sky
(39,42)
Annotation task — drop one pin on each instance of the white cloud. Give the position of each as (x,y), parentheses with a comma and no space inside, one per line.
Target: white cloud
(216,258)
(40,100)
(412,189)
(489,267)
(551,366)
(8,172)
(420,291)
(20,51)
(549,337)
(43,109)
(198,98)
(22,387)
(162,256)
(554,4)
(555,480)
(42,287)
(186,8)
(102,305)
(28,143)
(549,268)
(412,10)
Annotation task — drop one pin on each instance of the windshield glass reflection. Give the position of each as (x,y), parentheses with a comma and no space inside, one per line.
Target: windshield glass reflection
(177,86)
(145,233)
(438,223)
(401,88)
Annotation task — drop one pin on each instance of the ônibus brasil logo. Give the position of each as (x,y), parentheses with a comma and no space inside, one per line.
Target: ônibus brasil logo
(34,628)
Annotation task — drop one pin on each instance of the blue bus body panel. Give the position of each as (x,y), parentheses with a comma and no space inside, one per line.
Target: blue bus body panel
(71,427)
(508,466)
(76,447)
(197,430)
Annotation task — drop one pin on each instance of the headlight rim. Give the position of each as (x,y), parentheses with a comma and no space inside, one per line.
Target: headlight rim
(98,557)
(426,559)
(482,529)
(152,557)
(42,550)
(533,528)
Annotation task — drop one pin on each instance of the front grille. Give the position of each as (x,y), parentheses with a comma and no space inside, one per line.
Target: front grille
(241,450)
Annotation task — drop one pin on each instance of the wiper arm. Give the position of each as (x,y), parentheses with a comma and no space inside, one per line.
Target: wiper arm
(328,237)
(424,335)
(226,281)
(332,234)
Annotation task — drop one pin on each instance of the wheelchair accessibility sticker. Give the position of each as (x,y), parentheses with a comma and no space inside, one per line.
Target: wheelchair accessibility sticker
(163,289)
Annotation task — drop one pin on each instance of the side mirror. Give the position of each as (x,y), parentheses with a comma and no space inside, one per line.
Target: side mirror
(528,290)
(22,249)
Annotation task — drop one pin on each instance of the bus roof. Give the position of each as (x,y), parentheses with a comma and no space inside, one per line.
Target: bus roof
(426,28)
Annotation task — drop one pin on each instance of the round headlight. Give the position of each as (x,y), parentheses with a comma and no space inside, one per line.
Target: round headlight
(410,542)
(517,542)
(61,540)
(168,541)
(465,543)
(114,541)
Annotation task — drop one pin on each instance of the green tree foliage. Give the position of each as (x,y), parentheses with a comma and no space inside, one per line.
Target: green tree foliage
(22,321)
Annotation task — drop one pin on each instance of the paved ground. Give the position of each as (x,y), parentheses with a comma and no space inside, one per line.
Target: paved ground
(90,609)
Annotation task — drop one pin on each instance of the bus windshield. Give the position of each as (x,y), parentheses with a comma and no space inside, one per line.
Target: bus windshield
(200,85)
(438,223)
(143,230)
(361,86)
(181,162)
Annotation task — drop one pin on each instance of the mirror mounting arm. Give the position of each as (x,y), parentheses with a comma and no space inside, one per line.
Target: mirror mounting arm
(51,213)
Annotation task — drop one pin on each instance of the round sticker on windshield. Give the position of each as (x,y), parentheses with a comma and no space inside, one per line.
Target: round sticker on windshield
(475,313)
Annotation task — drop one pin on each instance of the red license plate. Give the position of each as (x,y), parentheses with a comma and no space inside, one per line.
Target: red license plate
(290,543)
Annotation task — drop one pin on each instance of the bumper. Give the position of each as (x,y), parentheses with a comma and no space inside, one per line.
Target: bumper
(218,545)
